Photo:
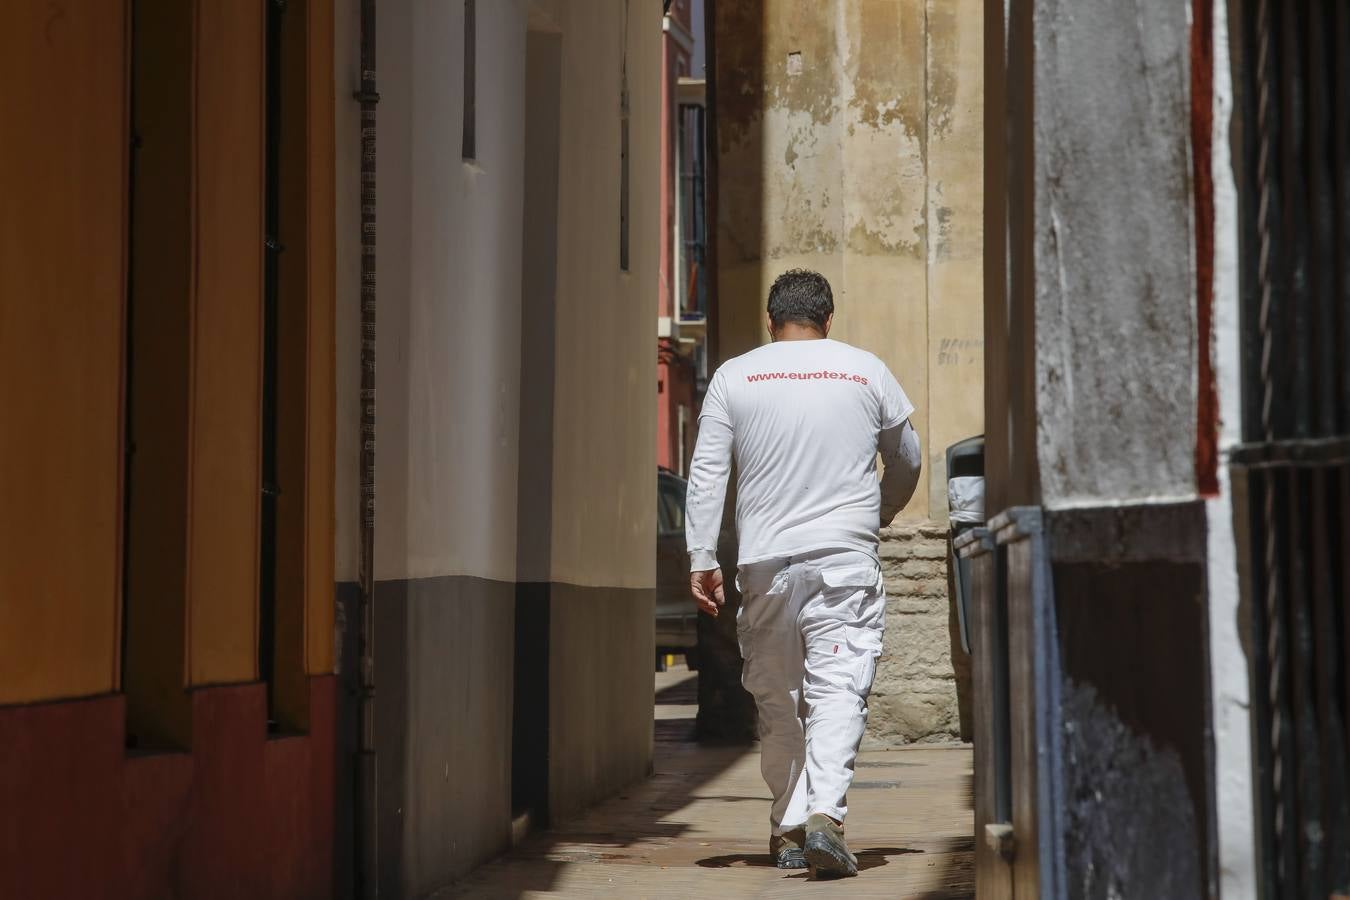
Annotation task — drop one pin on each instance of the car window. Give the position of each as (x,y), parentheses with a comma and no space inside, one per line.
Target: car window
(675,497)
(662,512)
(670,505)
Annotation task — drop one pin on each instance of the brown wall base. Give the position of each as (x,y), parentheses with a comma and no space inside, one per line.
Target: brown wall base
(601,648)
(238,816)
(446,663)
(1092,736)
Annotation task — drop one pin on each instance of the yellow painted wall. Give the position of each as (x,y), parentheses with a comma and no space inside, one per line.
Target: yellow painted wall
(321,412)
(304,635)
(64,251)
(62,234)
(227,344)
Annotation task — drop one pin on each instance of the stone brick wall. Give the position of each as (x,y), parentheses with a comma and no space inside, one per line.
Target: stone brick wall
(923,677)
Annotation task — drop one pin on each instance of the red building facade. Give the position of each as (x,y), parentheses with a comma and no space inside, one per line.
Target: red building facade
(682,306)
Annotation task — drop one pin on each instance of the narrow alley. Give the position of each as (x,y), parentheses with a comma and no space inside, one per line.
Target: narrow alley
(394,385)
(694,829)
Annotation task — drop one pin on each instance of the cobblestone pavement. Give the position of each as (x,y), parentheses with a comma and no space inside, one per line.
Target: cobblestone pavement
(698,828)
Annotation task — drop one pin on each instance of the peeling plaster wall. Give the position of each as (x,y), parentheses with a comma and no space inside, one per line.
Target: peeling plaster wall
(849,142)
(1115,319)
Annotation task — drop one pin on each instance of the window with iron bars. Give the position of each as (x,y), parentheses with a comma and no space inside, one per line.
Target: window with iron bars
(1291,476)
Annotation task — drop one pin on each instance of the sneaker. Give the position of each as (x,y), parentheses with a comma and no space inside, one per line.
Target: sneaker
(786,849)
(826,852)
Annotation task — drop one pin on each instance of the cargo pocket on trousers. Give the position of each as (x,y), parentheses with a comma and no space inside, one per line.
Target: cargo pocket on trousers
(865,645)
(865,577)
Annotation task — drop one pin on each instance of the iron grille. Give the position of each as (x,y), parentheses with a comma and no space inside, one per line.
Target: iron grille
(1292,475)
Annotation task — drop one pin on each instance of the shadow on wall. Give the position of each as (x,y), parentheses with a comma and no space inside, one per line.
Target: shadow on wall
(736,95)
(736,101)
(726,711)
(597,836)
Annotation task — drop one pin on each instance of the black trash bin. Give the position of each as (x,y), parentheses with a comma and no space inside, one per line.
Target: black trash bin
(965,501)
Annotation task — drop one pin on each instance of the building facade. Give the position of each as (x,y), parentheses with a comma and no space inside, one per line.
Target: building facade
(1160,589)
(848,140)
(182,701)
(515,518)
(683,296)
(169,698)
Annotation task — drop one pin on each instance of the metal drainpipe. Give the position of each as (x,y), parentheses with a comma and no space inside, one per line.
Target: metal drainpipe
(367,770)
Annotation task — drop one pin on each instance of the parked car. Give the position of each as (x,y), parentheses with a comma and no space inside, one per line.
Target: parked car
(676,615)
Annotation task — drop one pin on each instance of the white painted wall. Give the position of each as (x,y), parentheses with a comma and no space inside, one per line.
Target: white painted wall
(449,295)
(604,470)
(1228,663)
(449,264)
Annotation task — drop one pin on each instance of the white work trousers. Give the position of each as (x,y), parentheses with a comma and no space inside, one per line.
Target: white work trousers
(810,631)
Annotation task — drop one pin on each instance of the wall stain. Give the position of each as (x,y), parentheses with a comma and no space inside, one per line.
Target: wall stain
(942,240)
(888,51)
(942,56)
(873,242)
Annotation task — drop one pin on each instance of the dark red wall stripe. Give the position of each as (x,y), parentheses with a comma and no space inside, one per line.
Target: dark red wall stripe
(1202,136)
(240,816)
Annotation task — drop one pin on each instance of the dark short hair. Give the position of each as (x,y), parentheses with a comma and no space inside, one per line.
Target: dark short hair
(800,296)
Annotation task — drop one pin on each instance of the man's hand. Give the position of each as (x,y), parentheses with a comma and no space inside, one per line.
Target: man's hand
(707,590)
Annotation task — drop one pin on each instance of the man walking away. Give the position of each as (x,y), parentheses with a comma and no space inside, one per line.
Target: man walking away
(804,419)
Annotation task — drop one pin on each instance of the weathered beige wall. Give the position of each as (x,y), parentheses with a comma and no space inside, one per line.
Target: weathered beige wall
(849,141)
(604,421)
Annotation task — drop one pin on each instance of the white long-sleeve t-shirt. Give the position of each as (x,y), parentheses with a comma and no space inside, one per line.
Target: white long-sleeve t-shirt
(803,422)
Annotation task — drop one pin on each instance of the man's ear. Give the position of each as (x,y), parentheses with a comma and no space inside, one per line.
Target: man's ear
(768,325)
(829,320)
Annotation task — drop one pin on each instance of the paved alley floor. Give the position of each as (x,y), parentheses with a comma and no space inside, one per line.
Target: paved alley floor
(698,828)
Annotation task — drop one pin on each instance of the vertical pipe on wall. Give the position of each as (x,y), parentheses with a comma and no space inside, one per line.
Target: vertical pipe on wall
(367,814)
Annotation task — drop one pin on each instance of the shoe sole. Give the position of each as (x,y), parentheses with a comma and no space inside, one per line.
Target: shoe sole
(826,860)
(790,859)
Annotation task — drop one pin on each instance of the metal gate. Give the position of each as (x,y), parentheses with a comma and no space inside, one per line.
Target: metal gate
(1291,477)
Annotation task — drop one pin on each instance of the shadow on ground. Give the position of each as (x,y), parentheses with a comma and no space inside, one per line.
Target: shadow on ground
(630,826)
(662,837)
(868,858)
